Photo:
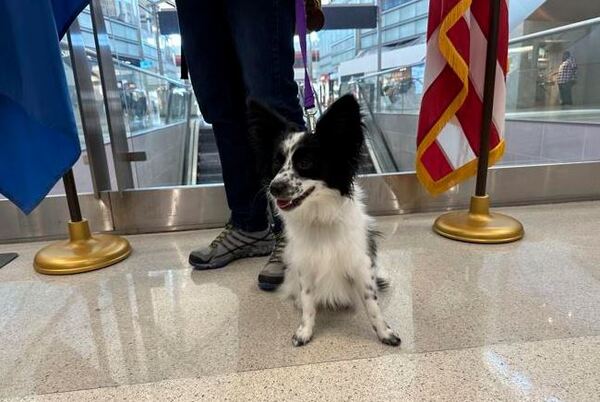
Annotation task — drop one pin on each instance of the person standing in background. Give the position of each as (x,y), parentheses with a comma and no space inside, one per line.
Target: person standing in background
(567,75)
(237,49)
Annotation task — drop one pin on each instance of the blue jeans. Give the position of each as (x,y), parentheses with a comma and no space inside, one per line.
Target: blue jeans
(236,49)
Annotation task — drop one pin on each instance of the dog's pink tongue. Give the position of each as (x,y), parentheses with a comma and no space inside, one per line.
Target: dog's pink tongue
(283,204)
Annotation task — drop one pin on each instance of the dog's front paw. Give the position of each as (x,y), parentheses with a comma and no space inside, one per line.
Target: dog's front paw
(301,337)
(299,341)
(390,338)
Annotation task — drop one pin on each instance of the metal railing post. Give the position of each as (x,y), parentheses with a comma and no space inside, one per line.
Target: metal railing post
(112,99)
(90,119)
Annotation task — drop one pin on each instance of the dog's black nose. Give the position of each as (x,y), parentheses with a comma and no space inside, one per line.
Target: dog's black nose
(278,189)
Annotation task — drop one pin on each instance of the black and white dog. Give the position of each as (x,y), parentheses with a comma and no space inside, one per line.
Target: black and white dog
(331,251)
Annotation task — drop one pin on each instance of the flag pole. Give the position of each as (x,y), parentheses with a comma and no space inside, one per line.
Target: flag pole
(489,88)
(72,199)
(478,225)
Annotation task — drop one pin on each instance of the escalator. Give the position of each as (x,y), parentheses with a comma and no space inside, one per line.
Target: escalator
(209,164)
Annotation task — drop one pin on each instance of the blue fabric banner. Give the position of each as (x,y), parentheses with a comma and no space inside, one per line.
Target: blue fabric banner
(38,134)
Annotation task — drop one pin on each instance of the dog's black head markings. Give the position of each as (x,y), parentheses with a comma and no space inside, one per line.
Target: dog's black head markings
(299,164)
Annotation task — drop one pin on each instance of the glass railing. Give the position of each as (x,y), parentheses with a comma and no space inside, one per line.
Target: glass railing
(161,119)
(173,146)
(553,74)
(398,90)
(162,122)
(551,117)
(533,82)
(149,100)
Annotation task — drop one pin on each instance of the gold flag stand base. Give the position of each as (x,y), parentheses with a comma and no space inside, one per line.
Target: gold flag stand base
(82,252)
(478,225)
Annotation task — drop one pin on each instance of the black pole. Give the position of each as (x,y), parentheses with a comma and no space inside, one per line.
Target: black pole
(488,98)
(72,199)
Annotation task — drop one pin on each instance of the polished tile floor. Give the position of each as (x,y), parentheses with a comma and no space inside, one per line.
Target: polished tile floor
(506,322)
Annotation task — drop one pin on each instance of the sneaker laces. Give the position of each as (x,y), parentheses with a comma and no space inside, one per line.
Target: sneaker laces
(228,229)
(277,254)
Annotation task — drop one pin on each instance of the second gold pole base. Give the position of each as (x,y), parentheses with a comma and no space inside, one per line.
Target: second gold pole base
(82,252)
(478,225)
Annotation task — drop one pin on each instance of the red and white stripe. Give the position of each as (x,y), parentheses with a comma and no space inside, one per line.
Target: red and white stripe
(446,153)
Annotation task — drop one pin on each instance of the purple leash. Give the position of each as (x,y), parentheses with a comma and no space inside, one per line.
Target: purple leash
(309,95)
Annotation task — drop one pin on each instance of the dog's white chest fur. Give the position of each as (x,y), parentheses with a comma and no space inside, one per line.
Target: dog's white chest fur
(327,243)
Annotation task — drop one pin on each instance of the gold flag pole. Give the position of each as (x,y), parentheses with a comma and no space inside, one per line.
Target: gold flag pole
(479,225)
(83,251)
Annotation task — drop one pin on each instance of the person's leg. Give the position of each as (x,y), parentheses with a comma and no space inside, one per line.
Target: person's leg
(219,87)
(268,68)
(561,93)
(263,35)
(263,32)
(569,93)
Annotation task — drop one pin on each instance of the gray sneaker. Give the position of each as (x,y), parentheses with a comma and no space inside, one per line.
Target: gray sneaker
(230,245)
(272,274)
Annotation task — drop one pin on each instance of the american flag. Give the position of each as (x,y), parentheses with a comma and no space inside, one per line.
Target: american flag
(449,127)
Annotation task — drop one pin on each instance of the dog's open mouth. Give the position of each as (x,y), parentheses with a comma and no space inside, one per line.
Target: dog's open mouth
(287,204)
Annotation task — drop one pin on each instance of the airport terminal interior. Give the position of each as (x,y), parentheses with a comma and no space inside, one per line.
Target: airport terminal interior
(479,322)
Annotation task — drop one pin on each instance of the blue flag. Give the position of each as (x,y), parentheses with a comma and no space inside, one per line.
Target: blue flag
(38,134)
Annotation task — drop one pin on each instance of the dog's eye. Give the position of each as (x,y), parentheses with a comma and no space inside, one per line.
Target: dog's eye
(304,164)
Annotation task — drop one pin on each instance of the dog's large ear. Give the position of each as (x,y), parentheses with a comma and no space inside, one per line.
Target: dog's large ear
(266,128)
(342,122)
(340,131)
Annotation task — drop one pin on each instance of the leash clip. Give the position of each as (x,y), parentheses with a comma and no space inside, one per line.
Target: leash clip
(311,118)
